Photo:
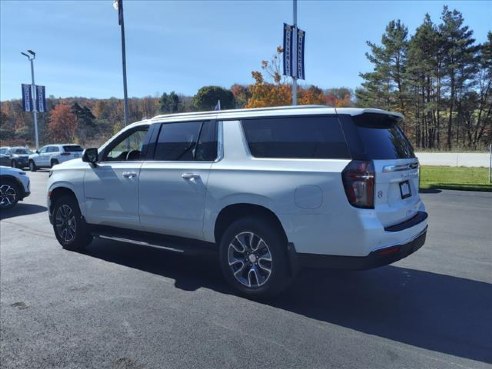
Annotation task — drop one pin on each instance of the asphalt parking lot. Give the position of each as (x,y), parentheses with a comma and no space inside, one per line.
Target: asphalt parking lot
(121,306)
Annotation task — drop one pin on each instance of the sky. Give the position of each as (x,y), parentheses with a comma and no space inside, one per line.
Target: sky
(182,46)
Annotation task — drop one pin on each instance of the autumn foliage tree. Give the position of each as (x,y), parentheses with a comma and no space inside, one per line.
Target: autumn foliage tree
(63,124)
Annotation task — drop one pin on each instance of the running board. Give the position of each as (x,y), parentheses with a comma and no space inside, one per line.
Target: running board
(168,243)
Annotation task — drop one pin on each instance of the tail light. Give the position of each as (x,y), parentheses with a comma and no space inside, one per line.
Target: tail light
(358,180)
(65,154)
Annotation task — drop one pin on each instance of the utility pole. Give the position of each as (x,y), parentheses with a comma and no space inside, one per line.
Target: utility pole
(31,57)
(118,5)
(294,79)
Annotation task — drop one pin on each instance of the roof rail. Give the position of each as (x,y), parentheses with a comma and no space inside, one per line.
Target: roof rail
(197,113)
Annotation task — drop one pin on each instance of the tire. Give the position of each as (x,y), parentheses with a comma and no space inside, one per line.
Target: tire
(54,162)
(13,164)
(253,258)
(70,228)
(9,193)
(32,166)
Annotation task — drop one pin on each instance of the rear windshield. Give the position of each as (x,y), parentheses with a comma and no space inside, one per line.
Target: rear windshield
(315,137)
(72,148)
(381,137)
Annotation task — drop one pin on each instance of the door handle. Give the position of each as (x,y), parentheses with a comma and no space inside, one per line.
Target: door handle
(190,176)
(129,174)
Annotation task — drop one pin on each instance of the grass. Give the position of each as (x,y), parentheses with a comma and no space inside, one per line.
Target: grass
(455,178)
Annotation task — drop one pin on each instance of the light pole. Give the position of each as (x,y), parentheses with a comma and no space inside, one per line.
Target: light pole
(118,5)
(31,56)
(294,78)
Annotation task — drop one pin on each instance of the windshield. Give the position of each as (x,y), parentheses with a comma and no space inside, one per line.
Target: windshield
(21,151)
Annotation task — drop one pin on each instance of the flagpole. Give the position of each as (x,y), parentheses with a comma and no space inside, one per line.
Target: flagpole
(121,22)
(294,79)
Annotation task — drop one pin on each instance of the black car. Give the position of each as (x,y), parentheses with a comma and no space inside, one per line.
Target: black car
(15,157)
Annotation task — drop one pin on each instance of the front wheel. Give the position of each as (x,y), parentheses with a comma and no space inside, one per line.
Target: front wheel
(32,166)
(9,194)
(70,229)
(253,258)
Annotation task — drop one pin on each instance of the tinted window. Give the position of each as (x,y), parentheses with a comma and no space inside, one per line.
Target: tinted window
(296,137)
(381,137)
(73,148)
(206,149)
(20,151)
(177,141)
(53,149)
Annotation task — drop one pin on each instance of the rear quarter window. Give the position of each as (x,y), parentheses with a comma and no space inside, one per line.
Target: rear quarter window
(375,136)
(306,137)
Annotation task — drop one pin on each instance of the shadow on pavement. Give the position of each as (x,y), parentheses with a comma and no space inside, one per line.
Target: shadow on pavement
(435,312)
(429,190)
(22,209)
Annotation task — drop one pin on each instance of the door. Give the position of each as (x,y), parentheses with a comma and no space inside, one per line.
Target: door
(41,160)
(4,157)
(111,187)
(173,185)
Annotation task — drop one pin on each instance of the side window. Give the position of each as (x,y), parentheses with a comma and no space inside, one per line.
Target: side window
(177,141)
(3,151)
(43,150)
(315,137)
(206,149)
(127,146)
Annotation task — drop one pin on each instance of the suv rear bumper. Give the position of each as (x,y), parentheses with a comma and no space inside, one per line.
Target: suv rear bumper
(375,259)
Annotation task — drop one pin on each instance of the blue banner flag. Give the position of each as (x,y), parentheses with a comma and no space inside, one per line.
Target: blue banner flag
(288,30)
(41,99)
(301,36)
(27,98)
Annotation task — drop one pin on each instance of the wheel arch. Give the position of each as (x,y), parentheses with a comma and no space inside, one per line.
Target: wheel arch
(56,192)
(232,212)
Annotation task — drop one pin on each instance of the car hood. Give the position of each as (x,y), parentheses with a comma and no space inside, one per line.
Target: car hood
(9,170)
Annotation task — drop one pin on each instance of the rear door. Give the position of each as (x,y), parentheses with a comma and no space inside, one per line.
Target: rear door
(378,137)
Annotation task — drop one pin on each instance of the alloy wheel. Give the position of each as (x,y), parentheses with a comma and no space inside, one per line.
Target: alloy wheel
(8,195)
(250,259)
(65,223)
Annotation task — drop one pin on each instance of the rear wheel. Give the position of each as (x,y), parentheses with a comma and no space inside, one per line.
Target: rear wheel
(253,258)
(70,229)
(9,193)
(32,166)
(13,164)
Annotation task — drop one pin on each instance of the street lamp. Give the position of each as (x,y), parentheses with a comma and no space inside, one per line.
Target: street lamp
(31,56)
(118,5)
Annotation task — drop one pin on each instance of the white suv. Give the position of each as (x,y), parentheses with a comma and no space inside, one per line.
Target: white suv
(271,190)
(51,155)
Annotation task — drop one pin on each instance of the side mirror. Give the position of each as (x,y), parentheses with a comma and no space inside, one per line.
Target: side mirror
(90,156)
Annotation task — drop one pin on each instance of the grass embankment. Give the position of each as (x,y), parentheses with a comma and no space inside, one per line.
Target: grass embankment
(455,178)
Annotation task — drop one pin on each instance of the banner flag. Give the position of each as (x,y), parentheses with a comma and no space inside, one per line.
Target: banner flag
(301,36)
(26,98)
(288,30)
(217,106)
(41,99)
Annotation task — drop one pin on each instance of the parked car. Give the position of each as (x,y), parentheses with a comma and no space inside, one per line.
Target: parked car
(14,186)
(50,155)
(15,157)
(271,190)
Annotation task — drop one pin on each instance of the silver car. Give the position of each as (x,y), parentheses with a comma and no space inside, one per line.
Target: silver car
(50,155)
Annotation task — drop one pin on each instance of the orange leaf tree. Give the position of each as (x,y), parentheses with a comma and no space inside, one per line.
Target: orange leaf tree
(63,124)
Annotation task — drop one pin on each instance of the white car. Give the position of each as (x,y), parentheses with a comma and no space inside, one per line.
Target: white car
(51,155)
(271,190)
(14,186)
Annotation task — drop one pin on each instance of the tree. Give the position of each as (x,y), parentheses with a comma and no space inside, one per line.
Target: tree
(169,103)
(385,86)
(241,95)
(63,124)
(208,96)
(460,53)
(312,95)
